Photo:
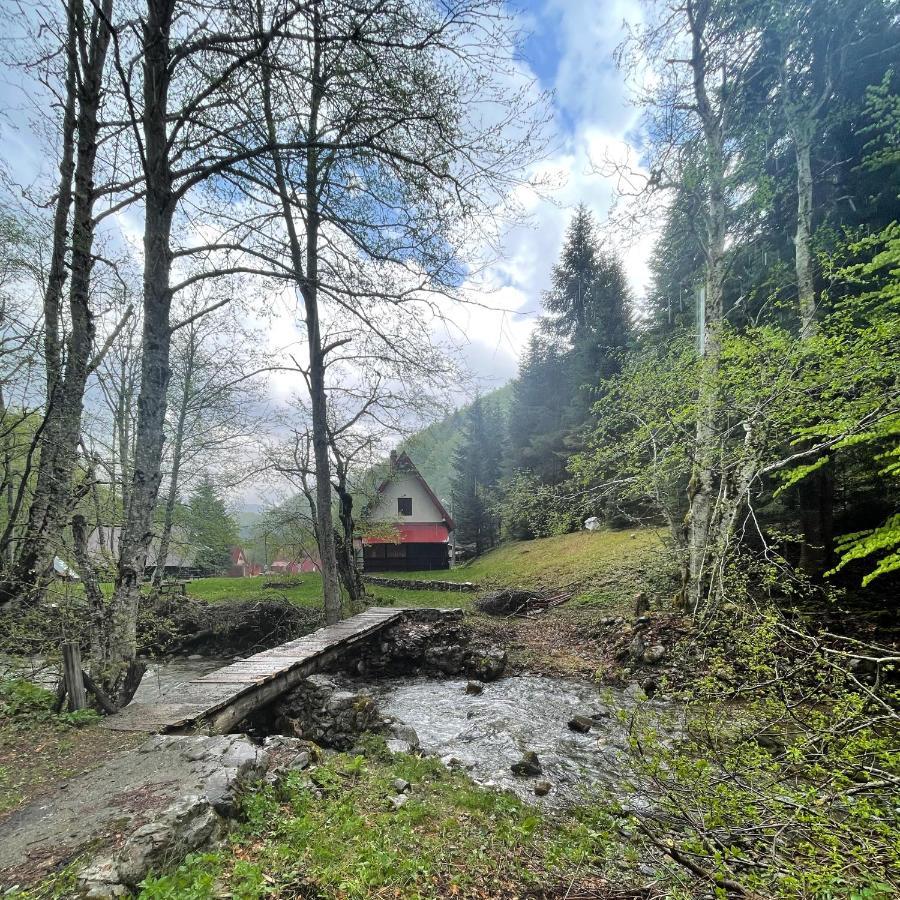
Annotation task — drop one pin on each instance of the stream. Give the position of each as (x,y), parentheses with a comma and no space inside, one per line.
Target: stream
(483,734)
(486,733)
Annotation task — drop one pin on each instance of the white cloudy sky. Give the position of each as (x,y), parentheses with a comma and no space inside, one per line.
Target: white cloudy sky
(568,46)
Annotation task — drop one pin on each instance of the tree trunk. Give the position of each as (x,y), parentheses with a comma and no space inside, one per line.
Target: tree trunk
(346,563)
(177,449)
(806,294)
(21,578)
(306,277)
(50,507)
(703,488)
(816,491)
(137,531)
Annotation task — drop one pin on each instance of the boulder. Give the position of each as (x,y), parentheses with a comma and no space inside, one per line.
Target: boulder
(636,648)
(655,654)
(542,788)
(528,766)
(581,724)
(474,687)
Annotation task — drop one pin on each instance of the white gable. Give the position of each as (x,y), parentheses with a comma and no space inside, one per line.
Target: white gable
(405,485)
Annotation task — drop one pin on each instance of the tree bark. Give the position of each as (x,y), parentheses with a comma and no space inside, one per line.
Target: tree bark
(306,278)
(816,491)
(137,531)
(21,577)
(174,475)
(702,489)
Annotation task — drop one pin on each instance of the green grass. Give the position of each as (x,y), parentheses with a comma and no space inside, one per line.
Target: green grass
(584,557)
(551,562)
(302,590)
(333,833)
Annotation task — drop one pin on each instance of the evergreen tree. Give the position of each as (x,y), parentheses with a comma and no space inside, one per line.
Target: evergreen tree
(538,423)
(211,529)
(577,345)
(476,473)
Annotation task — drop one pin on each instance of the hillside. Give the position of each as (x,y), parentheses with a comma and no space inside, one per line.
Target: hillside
(432,448)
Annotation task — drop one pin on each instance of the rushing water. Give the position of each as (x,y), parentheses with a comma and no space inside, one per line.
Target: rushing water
(490,731)
(484,733)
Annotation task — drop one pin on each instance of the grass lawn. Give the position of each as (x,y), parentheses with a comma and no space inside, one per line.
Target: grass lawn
(592,559)
(333,833)
(302,590)
(549,562)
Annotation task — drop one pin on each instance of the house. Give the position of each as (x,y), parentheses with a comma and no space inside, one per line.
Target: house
(294,567)
(419,529)
(240,567)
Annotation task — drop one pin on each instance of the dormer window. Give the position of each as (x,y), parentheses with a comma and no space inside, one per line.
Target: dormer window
(404,506)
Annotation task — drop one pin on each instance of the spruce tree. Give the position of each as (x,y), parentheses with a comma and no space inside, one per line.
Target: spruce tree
(213,532)
(476,473)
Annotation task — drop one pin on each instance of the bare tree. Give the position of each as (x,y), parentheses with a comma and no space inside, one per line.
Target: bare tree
(68,358)
(379,159)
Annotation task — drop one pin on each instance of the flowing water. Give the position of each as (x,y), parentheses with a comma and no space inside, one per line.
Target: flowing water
(488,732)
(484,734)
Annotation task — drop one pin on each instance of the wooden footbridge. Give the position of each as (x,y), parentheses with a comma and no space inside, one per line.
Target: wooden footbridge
(219,701)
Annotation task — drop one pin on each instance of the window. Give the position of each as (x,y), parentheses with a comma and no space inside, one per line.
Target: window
(404,506)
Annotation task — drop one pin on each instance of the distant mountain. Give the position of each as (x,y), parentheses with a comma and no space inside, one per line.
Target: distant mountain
(432,448)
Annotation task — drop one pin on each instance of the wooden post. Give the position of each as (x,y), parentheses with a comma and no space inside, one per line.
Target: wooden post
(72,672)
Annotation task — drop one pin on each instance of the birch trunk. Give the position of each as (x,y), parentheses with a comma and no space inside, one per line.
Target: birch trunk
(816,491)
(702,489)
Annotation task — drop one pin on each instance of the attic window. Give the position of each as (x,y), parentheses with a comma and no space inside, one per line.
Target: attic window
(404,506)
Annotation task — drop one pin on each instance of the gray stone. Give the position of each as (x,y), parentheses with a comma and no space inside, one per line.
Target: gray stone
(402,786)
(654,654)
(399,800)
(542,788)
(404,732)
(636,647)
(100,881)
(528,766)
(635,692)
(581,724)
(395,745)
(187,825)
(300,761)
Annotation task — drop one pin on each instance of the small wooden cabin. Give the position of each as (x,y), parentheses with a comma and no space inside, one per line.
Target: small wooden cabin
(421,529)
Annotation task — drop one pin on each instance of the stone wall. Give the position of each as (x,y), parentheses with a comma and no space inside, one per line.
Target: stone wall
(409,584)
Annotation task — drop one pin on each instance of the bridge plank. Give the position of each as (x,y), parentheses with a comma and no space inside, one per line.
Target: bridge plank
(221,699)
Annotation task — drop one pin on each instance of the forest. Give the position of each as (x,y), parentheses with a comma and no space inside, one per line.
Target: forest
(248,250)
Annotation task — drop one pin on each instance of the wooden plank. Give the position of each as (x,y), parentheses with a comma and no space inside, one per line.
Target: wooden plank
(221,699)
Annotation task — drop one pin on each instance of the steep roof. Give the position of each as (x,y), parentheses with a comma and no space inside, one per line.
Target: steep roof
(401,464)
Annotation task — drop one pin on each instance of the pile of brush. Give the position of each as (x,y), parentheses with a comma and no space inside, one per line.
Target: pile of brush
(525,604)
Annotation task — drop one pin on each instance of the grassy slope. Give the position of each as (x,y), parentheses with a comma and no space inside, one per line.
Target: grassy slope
(595,561)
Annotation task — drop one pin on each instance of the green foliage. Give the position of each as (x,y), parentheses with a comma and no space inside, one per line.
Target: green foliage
(26,704)
(20,698)
(332,832)
(212,530)
(476,472)
(780,796)
(588,325)
(531,509)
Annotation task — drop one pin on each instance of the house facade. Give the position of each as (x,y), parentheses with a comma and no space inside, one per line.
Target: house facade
(417,528)
(240,567)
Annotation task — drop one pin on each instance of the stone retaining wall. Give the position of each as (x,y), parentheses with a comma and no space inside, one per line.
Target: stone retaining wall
(463,587)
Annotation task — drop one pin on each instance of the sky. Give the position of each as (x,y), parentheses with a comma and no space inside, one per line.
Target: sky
(568,48)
